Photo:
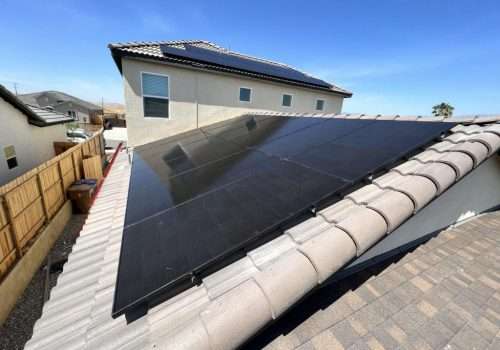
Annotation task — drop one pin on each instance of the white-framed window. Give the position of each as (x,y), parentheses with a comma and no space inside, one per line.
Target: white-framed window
(286,100)
(320,105)
(155,95)
(10,156)
(245,94)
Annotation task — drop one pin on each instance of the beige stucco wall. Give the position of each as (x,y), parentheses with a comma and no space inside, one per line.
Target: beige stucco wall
(199,98)
(33,144)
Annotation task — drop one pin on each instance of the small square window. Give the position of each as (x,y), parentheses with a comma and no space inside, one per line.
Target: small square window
(245,94)
(12,163)
(155,107)
(286,101)
(320,104)
(10,155)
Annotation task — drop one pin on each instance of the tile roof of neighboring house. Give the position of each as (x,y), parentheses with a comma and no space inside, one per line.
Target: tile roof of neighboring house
(234,303)
(153,50)
(36,116)
(31,99)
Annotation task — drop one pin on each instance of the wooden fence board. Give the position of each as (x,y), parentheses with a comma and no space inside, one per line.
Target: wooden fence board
(92,168)
(32,199)
(22,196)
(28,222)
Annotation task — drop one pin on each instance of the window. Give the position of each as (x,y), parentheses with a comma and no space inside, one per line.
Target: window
(155,94)
(320,104)
(287,100)
(245,94)
(72,114)
(10,155)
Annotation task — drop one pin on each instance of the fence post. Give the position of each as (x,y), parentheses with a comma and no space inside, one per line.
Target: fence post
(59,171)
(44,205)
(10,222)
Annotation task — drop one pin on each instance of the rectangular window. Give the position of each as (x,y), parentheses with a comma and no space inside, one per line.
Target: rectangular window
(245,94)
(155,94)
(320,105)
(286,101)
(10,155)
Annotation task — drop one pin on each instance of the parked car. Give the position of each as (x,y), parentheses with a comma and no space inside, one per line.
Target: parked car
(77,135)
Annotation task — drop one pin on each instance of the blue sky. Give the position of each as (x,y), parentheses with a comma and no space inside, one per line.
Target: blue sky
(397,56)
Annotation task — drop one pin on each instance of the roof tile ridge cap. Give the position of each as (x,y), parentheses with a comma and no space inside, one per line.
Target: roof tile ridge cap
(154,42)
(408,194)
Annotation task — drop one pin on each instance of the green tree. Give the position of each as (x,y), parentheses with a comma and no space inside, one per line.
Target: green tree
(443,109)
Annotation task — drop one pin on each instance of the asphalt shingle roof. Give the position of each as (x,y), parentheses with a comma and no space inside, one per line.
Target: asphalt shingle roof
(36,115)
(31,99)
(234,303)
(152,50)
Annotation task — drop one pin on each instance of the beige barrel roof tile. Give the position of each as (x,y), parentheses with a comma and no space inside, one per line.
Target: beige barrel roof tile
(394,206)
(308,229)
(476,150)
(460,162)
(365,226)
(338,211)
(224,321)
(329,251)
(287,280)
(441,174)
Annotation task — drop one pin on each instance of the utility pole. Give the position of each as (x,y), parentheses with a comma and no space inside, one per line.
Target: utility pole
(15,87)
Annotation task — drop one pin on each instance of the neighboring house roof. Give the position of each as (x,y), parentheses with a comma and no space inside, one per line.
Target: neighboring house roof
(36,116)
(224,60)
(234,303)
(443,295)
(61,97)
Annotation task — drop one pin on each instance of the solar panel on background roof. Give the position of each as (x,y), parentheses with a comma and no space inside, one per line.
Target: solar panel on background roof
(198,199)
(230,60)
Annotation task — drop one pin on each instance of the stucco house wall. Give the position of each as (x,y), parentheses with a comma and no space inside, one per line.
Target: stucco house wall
(199,98)
(33,144)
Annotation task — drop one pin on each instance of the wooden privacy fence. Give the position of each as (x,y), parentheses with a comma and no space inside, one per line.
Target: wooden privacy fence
(30,201)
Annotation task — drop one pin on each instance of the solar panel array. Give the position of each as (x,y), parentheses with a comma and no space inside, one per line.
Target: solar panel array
(200,199)
(229,60)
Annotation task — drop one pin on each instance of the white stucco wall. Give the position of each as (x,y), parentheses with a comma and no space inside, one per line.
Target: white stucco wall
(33,144)
(199,98)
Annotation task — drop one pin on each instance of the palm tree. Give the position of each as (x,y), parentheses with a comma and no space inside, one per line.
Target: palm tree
(443,109)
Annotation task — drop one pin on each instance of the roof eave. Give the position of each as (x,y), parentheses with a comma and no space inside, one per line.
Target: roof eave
(118,54)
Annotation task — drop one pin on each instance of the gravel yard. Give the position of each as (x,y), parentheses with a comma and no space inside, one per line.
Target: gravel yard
(17,329)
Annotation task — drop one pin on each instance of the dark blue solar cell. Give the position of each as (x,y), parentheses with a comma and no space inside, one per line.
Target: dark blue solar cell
(199,200)
(230,60)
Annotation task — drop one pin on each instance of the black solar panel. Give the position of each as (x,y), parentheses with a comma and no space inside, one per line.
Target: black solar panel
(199,200)
(229,60)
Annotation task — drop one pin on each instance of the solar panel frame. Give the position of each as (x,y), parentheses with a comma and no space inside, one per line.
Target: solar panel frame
(248,139)
(240,62)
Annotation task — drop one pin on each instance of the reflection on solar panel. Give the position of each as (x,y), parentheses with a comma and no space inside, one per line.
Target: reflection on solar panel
(199,200)
(242,63)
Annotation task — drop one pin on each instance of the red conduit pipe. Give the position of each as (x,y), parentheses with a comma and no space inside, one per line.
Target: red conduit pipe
(106,171)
